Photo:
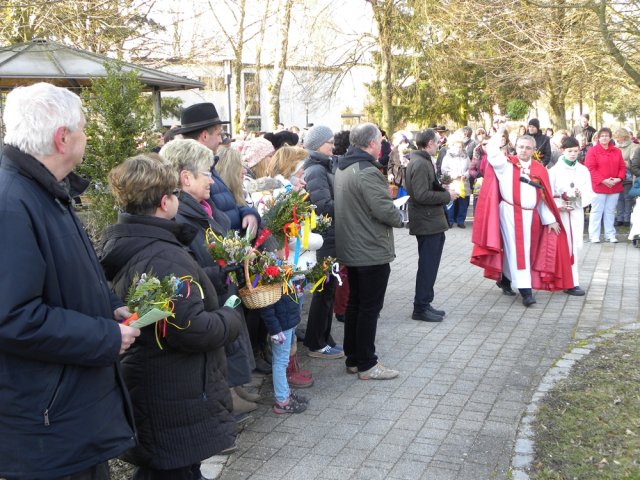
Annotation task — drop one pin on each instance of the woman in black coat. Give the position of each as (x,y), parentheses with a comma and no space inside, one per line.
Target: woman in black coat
(192,161)
(176,378)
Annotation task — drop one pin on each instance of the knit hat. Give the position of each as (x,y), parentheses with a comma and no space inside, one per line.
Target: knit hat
(316,137)
(535,122)
(255,150)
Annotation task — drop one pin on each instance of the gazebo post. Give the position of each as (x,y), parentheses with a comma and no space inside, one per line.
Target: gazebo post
(157,107)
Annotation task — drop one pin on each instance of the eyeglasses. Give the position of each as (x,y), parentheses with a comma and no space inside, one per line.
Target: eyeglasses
(330,142)
(176,192)
(206,174)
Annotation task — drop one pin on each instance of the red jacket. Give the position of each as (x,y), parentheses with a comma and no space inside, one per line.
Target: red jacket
(605,163)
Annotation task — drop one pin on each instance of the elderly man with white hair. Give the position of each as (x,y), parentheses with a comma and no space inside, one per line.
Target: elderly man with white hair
(65,410)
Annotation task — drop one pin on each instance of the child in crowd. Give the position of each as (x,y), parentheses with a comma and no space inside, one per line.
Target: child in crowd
(634,193)
(281,320)
(572,191)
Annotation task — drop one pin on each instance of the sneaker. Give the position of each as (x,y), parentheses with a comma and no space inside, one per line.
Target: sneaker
(326,352)
(338,347)
(613,240)
(352,370)
(291,406)
(298,398)
(595,240)
(378,372)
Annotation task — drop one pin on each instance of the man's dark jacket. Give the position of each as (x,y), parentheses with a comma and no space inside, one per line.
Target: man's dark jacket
(63,405)
(543,147)
(427,197)
(319,178)
(180,395)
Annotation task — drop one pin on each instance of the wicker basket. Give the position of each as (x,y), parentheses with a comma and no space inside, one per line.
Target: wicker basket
(260,296)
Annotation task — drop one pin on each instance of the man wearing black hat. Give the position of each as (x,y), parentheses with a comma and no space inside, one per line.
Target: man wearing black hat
(543,143)
(201,122)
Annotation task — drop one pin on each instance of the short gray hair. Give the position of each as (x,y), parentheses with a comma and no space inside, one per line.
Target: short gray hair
(526,137)
(187,154)
(362,135)
(33,114)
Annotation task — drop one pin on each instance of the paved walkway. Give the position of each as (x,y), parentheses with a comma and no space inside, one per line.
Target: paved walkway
(465,383)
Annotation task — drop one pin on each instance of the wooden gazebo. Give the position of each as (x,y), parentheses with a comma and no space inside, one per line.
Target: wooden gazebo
(46,61)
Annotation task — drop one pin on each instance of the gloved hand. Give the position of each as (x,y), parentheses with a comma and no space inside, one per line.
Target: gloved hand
(278,338)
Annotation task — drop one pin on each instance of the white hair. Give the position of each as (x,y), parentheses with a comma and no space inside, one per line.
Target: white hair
(33,114)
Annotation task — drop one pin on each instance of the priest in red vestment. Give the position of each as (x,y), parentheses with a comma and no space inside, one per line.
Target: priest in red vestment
(517,233)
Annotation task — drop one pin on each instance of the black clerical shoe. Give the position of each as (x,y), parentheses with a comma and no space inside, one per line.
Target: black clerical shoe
(575,291)
(426,316)
(528,300)
(506,288)
(442,313)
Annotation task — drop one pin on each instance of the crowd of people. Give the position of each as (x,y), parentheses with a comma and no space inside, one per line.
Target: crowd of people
(79,386)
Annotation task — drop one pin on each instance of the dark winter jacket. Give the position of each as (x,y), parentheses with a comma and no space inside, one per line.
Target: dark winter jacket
(282,315)
(319,178)
(364,212)
(427,197)
(191,213)
(543,147)
(180,395)
(223,200)
(238,353)
(63,405)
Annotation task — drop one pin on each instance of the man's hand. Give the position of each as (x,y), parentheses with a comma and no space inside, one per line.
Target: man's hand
(128,335)
(121,314)
(250,223)
(453,194)
(554,227)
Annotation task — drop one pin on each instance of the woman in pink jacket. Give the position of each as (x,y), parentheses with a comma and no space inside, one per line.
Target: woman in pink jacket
(607,168)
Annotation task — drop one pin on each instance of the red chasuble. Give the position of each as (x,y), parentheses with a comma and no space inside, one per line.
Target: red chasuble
(550,258)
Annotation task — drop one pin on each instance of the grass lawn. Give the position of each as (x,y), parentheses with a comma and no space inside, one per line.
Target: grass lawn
(588,425)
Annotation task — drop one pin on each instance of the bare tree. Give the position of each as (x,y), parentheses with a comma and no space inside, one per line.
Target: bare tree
(280,61)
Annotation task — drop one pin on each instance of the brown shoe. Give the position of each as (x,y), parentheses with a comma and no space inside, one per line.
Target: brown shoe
(240,405)
(249,397)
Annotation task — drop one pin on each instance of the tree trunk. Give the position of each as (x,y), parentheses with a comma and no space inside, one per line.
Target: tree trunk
(237,70)
(383,14)
(280,64)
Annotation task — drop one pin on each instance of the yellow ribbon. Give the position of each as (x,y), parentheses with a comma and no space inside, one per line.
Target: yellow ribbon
(320,283)
(306,230)
(313,218)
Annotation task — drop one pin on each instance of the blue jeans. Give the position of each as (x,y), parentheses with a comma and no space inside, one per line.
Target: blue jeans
(279,362)
(457,213)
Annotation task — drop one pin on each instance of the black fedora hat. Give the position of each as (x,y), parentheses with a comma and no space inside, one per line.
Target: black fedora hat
(199,117)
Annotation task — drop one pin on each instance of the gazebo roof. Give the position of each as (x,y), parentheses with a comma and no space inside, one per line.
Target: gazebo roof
(43,60)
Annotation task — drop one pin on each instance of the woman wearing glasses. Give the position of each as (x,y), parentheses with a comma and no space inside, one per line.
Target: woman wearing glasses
(192,161)
(175,372)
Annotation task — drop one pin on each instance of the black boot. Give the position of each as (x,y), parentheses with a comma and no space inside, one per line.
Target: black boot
(527,297)
(505,284)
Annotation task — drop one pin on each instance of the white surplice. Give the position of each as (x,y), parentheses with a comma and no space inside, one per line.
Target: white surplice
(563,179)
